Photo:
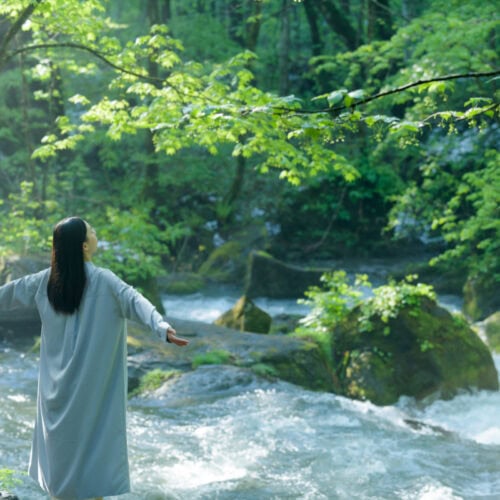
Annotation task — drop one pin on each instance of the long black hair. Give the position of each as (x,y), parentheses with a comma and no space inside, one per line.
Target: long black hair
(67,275)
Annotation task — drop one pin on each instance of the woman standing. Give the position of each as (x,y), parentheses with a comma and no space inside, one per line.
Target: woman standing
(79,448)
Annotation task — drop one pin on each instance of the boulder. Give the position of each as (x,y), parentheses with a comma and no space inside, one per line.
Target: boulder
(226,264)
(492,331)
(419,354)
(293,359)
(181,283)
(246,317)
(481,298)
(269,277)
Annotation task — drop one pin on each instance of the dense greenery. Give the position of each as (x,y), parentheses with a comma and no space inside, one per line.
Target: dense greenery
(172,125)
(333,301)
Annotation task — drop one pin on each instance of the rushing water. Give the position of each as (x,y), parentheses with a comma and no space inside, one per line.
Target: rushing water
(221,433)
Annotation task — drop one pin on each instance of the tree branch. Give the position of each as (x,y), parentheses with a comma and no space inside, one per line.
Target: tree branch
(390,92)
(13,30)
(92,51)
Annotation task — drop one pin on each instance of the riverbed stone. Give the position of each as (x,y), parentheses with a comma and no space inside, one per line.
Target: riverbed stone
(246,317)
(492,331)
(417,354)
(481,298)
(269,277)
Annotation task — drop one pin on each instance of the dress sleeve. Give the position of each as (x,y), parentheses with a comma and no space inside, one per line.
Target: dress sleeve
(20,293)
(137,308)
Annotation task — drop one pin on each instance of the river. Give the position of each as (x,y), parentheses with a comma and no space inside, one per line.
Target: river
(235,436)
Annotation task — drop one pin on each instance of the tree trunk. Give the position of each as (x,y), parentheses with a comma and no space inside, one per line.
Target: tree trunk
(312,19)
(284,48)
(338,22)
(158,12)
(379,20)
(15,28)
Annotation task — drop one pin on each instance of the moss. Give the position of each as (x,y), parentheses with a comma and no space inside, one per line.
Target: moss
(216,357)
(153,380)
(264,370)
(428,350)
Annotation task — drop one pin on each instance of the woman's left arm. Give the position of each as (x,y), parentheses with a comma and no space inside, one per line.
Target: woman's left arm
(136,307)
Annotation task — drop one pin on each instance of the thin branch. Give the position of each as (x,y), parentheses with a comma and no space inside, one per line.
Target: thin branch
(94,52)
(390,92)
(14,28)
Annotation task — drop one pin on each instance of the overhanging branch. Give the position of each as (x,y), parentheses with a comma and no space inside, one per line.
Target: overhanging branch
(94,52)
(396,90)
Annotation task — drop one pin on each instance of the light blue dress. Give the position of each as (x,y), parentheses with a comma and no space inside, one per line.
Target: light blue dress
(79,445)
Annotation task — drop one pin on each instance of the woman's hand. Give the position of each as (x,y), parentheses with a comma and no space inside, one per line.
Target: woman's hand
(172,337)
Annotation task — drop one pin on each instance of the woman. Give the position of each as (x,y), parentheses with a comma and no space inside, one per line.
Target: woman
(79,448)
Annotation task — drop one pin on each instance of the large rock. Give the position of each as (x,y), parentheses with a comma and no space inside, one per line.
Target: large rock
(246,317)
(181,283)
(269,277)
(481,298)
(425,353)
(295,360)
(492,331)
(226,264)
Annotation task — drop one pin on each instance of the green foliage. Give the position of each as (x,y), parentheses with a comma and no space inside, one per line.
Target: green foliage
(333,302)
(388,300)
(23,229)
(131,245)
(139,131)
(215,357)
(471,220)
(7,479)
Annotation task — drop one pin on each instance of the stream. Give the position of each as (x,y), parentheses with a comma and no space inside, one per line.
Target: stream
(236,436)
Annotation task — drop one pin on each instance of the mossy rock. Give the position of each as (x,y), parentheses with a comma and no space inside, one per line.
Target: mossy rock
(269,277)
(246,317)
(481,298)
(181,283)
(225,264)
(305,367)
(492,331)
(418,353)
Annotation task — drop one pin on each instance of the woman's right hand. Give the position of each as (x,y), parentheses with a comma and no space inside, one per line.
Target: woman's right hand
(172,338)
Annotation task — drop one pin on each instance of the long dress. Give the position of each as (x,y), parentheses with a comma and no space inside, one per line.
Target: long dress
(79,447)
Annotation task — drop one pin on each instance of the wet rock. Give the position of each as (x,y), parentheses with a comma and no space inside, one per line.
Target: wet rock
(295,360)
(421,354)
(269,277)
(492,331)
(285,323)
(246,317)
(481,298)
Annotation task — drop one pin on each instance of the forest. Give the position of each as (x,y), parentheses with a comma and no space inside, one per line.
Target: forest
(313,129)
